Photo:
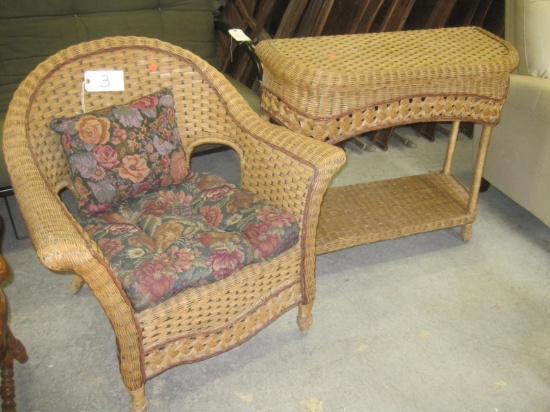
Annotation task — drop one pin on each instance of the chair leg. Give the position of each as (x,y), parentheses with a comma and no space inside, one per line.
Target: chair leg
(466,232)
(305,318)
(138,401)
(76,284)
(7,388)
(14,350)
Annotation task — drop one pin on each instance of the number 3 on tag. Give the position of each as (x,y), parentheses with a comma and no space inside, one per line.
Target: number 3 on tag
(104,81)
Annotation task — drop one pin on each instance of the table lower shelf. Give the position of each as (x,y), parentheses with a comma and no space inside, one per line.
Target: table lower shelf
(388,209)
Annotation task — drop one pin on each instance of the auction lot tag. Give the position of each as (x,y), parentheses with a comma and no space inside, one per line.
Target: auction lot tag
(238,35)
(104,80)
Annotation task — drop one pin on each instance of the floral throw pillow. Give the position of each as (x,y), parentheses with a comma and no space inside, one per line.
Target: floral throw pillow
(121,151)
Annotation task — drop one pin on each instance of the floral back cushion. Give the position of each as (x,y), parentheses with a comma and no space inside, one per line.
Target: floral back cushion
(121,151)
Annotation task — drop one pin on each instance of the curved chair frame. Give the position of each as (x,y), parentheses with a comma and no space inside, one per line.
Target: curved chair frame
(282,167)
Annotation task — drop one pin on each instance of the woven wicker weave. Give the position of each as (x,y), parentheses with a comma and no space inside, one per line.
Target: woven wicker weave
(289,170)
(382,210)
(334,87)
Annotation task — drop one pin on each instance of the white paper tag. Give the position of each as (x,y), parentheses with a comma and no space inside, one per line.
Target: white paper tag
(238,35)
(104,80)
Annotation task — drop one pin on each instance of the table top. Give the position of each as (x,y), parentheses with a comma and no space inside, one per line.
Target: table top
(384,59)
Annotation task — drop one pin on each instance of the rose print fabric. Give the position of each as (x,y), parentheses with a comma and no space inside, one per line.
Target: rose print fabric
(194,233)
(166,239)
(268,229)
(119,152)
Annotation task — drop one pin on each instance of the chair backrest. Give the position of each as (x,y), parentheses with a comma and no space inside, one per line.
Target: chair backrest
(55,90)
(528,29)
(31,30)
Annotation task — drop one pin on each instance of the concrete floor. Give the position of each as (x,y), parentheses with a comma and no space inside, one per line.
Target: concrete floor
(423,323)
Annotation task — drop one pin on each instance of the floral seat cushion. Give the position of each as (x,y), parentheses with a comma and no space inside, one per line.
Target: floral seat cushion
(166,240)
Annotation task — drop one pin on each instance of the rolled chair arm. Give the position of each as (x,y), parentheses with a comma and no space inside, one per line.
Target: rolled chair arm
(62,244)
(288,169)
(292,171)
(58,239)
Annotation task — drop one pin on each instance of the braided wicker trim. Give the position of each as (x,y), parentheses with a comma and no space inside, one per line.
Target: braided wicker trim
(203,346)
(207,308)
(400,112)
(209,322)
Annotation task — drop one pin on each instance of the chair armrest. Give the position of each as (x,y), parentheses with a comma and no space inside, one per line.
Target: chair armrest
(530,95)
(60,242)
(247,45)
(283,167)
(293,172)
(286,168)
(518,156)
(58,239)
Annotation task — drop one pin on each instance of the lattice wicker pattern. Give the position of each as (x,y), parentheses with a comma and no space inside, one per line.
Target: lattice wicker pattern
(355,83)
(282,167)
(369,212)
(191,348)
(401,112)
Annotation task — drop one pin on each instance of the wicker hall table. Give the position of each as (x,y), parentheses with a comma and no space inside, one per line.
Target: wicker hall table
(332,88)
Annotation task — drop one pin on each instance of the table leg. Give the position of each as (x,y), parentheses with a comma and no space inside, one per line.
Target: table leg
(451,146)
(478,168)
(466,231)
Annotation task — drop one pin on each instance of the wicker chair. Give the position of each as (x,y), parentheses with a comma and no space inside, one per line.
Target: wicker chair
(283,168)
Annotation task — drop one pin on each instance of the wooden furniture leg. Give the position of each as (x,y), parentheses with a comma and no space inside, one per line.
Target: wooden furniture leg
(14,350)
(7,388)
(10,349)
(17,350)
